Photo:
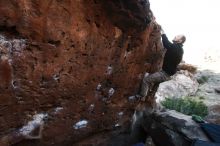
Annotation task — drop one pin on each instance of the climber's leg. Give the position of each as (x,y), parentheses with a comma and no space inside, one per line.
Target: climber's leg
(152,79)
(144,90)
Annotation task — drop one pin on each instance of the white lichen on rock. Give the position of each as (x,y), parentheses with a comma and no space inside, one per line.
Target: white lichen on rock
(33,124)
(109,70)
(56,77)
(91,108)
(58,109)
(99,86)
(120,113)
(111,91)
(80,124)
(117,125)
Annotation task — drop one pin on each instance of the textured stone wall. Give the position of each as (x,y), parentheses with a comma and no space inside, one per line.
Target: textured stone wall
(83,57)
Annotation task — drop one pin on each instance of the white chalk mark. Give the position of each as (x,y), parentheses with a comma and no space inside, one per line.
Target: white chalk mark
(58,109)
(109,70)
(32,125)
(120,113)
(117,125)
(56,77)
(98,87)
(80,124)
(111,92)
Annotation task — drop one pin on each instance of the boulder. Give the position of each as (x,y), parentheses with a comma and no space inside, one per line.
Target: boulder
(204,86)
(208,90)
(75,60)
(168,127)
(182,84)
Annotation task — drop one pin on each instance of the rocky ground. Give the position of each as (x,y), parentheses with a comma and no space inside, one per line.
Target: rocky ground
(175,128)
(209,89)
(203,85)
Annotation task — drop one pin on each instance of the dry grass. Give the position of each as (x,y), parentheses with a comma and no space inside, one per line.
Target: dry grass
(189,67)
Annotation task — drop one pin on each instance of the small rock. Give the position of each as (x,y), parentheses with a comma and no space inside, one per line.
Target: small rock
(209,90)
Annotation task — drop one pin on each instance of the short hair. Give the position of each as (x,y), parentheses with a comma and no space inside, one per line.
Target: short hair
(183,38)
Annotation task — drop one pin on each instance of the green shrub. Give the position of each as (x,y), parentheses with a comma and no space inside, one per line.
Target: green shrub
(203,79)
(186,106)
(201,97)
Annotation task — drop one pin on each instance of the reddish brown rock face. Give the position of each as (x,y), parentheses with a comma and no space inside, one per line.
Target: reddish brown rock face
(86,56)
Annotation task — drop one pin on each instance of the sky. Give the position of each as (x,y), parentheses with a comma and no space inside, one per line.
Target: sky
(199,21)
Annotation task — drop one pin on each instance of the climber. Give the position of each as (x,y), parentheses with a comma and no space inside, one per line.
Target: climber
(173,56)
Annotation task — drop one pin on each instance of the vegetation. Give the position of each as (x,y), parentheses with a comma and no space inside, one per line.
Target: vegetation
(201,98)
(187,105)
(203,79)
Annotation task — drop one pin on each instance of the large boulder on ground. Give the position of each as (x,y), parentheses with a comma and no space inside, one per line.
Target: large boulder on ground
(208,90)
(203,86)
(182,84)
(171,128)
(75,60)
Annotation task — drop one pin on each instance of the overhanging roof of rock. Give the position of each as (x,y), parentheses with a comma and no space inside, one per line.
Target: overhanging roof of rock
(130,15)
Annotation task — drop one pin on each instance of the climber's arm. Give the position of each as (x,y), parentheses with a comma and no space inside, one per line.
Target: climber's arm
(166,43)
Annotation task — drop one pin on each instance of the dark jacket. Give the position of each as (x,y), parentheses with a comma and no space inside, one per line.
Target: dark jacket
(173,56)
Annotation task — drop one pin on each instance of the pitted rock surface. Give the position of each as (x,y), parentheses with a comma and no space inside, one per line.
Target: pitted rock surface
(61,57)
